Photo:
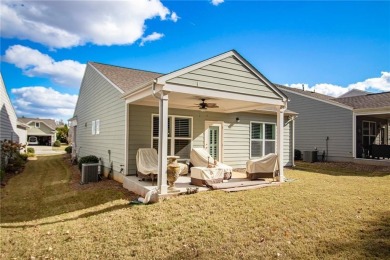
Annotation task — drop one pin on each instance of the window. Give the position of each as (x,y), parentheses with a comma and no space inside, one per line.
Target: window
(262,139)
(37,124)
(96,127)
(179,135)
(369,133)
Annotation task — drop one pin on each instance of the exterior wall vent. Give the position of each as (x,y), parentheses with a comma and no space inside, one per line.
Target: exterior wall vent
(89,173)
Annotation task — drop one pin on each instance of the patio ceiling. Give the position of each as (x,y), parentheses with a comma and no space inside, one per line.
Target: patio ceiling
(190,102)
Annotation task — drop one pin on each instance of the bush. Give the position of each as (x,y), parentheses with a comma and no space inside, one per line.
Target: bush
(23,156)
(30,154)
(2,174)
(297,155)
(57,143)
(30,150)
(88,159)
(68,149)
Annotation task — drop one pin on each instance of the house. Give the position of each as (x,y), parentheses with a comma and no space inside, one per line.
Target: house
(10,128)
(40,131)
(223,104)
(345,128)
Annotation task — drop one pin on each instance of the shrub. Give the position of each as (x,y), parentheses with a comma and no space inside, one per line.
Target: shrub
(57,143)
(297,155)
(23,156)
(2,174)
(30,154)
(68,149)
(30,150)
(88,159)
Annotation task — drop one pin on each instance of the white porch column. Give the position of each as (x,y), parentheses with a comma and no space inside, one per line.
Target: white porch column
(162,145)
(279,140)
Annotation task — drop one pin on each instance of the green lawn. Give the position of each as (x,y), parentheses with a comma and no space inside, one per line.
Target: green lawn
(329,211)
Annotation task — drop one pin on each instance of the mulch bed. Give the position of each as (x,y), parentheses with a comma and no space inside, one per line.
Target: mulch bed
(102,184)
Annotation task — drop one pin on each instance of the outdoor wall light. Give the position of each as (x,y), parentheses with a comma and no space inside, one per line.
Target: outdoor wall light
(237,120)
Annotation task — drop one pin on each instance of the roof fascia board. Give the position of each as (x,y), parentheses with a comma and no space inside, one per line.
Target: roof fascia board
(137,89)
(318,99)
(372,111)
(140,94)
(107,79)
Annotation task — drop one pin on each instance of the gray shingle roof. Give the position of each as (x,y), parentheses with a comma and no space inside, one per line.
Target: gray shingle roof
(305,92)
(376,100)
(125,78)
(370,100)
(49,122)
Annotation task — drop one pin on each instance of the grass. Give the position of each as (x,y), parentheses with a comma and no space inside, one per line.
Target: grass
(328,212)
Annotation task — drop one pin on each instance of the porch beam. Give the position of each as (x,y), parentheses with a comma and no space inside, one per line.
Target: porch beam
(280,139)
(140,94)
(222,94)
(246,108)
(162,145)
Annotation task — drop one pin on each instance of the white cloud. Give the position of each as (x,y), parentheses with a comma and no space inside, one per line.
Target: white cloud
(34,63)
(381,84)
(63,24)
(151,37)
(174,17)
(217,2)
(43,102)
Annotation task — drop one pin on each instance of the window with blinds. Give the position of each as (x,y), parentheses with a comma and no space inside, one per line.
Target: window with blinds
(262,139)
(179,135)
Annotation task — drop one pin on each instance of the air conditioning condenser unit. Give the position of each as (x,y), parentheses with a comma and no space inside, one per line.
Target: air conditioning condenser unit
(89,173)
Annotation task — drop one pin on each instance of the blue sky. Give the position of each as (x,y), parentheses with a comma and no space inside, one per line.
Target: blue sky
(328,46)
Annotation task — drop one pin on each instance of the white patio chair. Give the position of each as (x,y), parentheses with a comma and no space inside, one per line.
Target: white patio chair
(264,167)
(147,164)
(201,158)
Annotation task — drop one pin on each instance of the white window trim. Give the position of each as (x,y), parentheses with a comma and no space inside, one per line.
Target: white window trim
(97,126)
(369,134)
(38,123)
(93,128)
(264,140)
(172,138)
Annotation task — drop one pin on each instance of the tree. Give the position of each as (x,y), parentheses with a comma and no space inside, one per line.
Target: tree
(62,133)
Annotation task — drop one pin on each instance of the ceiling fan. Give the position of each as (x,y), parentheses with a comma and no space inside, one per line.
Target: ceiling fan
(203,105)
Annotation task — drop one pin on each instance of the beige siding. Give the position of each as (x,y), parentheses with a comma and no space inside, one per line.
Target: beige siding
(236,135)
(99,100)
(7,116)
(316,121)
(42,130)
(228,75)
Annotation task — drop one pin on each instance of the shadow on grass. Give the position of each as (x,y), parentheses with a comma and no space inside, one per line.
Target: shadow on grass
(371,242)
(343,169)
(50,187)
(85,215)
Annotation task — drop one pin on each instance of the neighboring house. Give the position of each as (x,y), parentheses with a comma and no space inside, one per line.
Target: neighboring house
(354,93)
(40,131)
(119,110)
(345,128)
(10,127)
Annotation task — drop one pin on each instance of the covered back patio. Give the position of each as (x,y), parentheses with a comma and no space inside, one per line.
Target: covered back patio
(246,117)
